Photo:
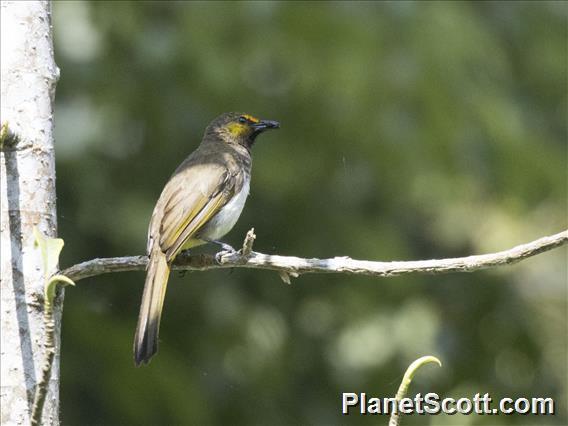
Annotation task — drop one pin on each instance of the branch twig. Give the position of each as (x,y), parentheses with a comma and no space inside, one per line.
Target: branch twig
(293,266)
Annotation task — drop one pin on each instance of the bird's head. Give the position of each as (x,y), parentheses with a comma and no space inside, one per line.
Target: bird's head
(242,129)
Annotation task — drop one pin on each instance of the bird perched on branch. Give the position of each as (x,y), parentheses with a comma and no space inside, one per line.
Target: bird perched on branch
(200,203)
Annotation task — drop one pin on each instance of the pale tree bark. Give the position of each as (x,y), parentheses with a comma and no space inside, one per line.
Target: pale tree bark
(27,196)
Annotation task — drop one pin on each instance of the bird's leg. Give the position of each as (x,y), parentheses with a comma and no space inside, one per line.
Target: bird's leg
(226,249)
(224,246)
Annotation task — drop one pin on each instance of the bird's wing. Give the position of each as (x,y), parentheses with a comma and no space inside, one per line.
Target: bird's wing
(191,198)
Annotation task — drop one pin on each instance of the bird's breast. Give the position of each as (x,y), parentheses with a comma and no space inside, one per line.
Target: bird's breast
(228,215)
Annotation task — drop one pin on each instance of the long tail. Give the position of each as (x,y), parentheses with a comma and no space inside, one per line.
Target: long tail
(146,337)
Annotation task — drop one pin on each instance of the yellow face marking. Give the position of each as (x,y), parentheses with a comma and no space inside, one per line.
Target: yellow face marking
(237,129)
(251,118)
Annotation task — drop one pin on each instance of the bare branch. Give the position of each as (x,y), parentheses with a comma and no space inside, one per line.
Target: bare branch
(247,244)
(294,266)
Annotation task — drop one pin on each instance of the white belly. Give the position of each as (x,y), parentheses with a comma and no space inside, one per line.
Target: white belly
(224,221)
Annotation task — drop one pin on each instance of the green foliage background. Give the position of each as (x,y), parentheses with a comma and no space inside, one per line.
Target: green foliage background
(409,131)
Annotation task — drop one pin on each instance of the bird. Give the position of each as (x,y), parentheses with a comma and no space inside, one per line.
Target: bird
(200,203)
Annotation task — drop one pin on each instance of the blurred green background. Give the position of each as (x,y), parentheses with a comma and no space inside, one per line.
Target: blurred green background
(409,131)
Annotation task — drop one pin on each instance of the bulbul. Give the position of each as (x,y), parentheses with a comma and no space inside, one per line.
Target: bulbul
(200,203)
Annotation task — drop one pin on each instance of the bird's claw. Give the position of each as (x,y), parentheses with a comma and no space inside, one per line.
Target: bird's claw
(227,251)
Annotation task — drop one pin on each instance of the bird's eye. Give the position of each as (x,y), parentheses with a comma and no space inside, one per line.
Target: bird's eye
(242,119)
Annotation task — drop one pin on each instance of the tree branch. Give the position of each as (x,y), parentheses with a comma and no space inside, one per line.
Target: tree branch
(290,265)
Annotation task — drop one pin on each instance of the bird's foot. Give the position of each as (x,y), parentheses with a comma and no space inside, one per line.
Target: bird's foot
(226,250)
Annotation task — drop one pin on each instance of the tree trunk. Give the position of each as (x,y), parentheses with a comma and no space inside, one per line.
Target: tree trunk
(27,196)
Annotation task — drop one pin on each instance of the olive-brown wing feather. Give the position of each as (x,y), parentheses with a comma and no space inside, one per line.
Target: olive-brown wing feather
(193,201)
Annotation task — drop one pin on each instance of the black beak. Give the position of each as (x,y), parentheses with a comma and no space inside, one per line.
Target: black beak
(263,125)
(260,127)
